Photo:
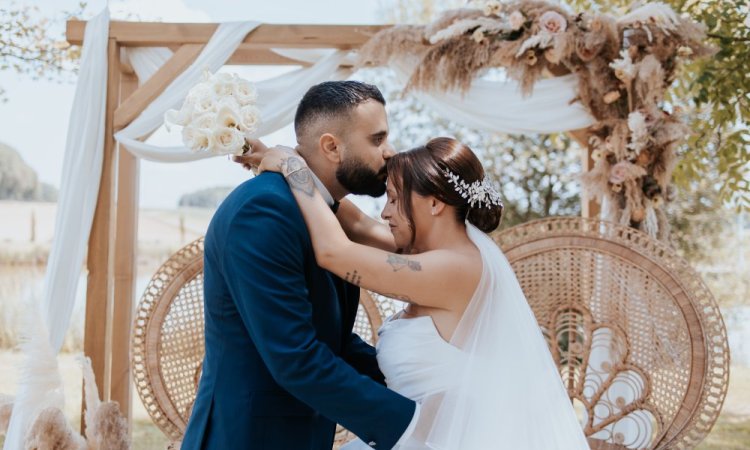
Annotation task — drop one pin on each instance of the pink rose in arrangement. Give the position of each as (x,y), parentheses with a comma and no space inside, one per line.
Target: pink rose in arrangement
(516,20)
(621,172)
(553,22)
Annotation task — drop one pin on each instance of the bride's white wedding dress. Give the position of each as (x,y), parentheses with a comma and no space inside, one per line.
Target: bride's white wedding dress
(494,385)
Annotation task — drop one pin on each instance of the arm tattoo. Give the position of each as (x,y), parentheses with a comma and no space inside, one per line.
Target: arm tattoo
(353,278)
(398,262)
(298,175)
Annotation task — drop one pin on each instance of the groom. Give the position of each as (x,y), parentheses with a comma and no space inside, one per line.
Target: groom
(282,365)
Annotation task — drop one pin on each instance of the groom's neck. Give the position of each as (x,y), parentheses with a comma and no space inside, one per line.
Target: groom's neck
(326,173)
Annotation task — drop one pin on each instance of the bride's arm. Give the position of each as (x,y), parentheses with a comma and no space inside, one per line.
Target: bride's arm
(360,227)
(433,279)
(363,229)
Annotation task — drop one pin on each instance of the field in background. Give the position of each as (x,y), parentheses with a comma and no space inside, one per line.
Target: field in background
(27,228)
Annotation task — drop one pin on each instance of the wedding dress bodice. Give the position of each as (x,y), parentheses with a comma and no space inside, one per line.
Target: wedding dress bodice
(415,359)
(417,362)
(496,381)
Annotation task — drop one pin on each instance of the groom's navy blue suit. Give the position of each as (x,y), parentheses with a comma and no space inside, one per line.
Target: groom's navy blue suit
(282,365)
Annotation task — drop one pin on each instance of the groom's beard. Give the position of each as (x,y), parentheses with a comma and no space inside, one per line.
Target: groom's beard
(359,179)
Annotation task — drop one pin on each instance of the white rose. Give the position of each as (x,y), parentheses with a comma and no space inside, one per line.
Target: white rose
(224,77)
(223,88)
(179,117)
(227,117)
(197,139)
(198,92)
(249,119)
(244,92)
(205,104)
(227,102)
(205,120)
(227,141)
(516,20)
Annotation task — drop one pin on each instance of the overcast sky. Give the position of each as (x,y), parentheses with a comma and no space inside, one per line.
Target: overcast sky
(35,119)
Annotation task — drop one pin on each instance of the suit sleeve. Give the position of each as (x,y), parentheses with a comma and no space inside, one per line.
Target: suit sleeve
(266,276)
(362,356)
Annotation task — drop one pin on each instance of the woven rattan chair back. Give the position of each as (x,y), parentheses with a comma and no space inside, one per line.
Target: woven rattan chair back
(638,338)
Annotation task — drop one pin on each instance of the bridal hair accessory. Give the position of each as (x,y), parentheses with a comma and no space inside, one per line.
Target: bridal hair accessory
(479,192)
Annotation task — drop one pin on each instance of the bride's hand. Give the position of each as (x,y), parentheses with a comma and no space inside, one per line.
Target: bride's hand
(277,159)
(253,158)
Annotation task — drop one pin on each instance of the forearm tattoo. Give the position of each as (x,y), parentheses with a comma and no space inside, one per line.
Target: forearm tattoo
(353,278)
(399,262)
(298,175)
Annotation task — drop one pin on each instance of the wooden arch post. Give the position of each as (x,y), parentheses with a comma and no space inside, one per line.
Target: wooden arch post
(111,262)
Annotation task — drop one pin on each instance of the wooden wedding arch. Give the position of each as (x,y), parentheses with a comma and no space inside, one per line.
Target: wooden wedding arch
(111,258)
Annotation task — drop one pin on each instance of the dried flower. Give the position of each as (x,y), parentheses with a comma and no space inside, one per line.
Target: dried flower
(638,215)
(611,97)
(516,20)
(531,57)
(643,159)
(684,51)
(638,131)
(597,154)
(617,187)
(461,27)
(478,36)
(552,55)
(492,7)
(624,68)
(624,171)
(657,202)
(553,22)
(656,13)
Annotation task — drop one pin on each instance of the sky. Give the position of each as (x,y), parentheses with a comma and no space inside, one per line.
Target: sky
(34,120)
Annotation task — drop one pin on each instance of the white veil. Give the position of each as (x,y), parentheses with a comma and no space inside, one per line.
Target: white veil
(510,394)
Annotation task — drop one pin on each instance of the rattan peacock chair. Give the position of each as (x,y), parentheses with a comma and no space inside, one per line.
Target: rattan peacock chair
(637,336)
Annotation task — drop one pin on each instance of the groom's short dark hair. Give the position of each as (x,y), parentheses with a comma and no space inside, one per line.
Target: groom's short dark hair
(333,98)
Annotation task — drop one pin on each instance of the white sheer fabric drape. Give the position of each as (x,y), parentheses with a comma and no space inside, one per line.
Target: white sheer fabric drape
(82,166)
(499,106)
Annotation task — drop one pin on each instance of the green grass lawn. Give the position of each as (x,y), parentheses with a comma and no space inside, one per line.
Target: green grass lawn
(729,433)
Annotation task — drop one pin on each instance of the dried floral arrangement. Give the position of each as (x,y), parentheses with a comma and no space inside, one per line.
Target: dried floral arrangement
(624,66)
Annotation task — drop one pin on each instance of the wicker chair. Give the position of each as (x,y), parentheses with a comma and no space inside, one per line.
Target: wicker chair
(638,338)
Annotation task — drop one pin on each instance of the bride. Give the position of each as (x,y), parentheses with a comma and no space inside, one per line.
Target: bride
(467,347)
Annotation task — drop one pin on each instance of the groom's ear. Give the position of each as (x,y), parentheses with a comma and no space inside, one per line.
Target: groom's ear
(330,147)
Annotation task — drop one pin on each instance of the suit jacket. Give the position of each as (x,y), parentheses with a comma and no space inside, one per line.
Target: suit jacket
(282,365)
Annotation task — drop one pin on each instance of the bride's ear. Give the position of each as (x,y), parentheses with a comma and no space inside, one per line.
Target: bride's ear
(330,147)
(436,206)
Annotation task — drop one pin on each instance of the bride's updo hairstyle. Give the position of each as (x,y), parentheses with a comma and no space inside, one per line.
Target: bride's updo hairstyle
(422,170)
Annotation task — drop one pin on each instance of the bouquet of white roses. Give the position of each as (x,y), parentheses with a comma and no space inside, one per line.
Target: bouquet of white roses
(217,115)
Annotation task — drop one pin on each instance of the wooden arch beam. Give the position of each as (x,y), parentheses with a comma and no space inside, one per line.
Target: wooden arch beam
(159,34)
